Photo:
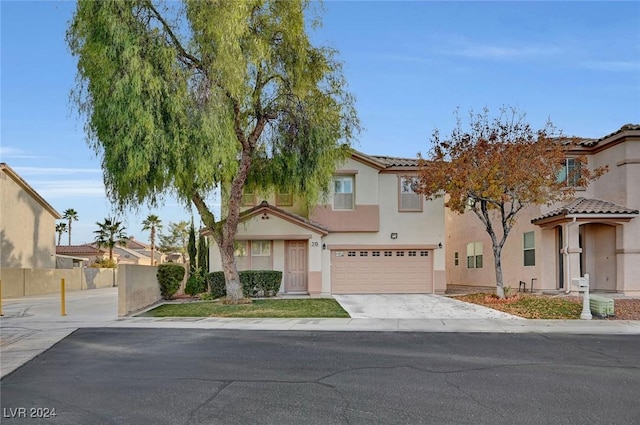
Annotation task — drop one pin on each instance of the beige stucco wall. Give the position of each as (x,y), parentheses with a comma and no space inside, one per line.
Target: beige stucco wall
(24,282)
(467,228)
(138,288)
(413,228)
(27,229)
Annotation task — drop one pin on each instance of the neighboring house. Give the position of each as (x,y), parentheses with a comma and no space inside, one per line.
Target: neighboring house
(374,235)
(131,256)
(27,224)
(174,257)
(145,249)
(88,251)
(133,243)
(596,233)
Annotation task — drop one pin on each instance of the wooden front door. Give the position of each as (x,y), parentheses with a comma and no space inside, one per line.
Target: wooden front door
(296,267)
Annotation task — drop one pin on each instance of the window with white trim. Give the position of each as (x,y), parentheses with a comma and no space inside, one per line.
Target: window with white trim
(409,200)
(474,255)
(343,192)
(570,172)
(253,255)
(529,248)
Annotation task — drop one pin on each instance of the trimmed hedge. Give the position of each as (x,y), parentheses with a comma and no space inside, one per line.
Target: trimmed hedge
(254,282)
(169,278)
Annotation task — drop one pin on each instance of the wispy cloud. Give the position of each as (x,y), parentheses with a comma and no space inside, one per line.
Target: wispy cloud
(11,152)
(51,189)
(613,66)
(406,58)
(463,46)
(500,52)
(39,171)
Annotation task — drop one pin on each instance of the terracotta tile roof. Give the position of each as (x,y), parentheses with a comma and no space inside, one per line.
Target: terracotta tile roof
(79,249)
(626,127)
(588,206)
(391,161)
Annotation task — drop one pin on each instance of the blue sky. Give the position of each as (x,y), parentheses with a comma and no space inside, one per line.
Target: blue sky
(410,65)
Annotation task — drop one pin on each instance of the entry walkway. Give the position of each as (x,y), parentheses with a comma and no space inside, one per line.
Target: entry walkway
(31,325)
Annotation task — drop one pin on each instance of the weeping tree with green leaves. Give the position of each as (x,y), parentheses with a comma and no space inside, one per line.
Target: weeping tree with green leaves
(181,98)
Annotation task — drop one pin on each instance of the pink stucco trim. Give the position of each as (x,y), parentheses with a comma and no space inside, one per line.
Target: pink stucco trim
(314,282)
(364,218)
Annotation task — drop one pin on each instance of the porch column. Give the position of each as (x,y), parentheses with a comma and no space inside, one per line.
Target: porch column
(572,243)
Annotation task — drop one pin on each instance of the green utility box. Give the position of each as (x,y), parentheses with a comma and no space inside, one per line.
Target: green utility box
(601,306)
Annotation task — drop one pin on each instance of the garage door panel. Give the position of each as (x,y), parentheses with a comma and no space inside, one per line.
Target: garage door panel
(381,271)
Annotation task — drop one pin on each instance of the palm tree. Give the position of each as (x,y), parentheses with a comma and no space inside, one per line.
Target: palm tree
(60,229)
(70,215)
(109,234)
(152,223)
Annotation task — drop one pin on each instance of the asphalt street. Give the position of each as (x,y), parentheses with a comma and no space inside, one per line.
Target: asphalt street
(195,376)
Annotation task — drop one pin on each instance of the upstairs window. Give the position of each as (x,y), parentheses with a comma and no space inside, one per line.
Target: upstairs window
(343,192)
(570,172)
(284,199)
(248,198)
(474,255)
(409,200)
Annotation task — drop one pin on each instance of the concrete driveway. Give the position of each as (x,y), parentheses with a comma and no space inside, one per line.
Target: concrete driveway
(415,306)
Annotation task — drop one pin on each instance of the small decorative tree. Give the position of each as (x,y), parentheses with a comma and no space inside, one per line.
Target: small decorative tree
(496,167)
(192,250)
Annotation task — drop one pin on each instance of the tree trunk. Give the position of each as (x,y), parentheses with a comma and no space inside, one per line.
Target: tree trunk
(232,278)
(497,256)
(153,243)
(69,232)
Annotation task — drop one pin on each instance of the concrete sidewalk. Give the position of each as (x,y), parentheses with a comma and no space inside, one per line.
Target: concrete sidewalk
(32,325)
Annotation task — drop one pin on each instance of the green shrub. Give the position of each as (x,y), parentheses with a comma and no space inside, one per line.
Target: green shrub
(253,282)
(217,285)
(196,283)
(169,278)
(267,281)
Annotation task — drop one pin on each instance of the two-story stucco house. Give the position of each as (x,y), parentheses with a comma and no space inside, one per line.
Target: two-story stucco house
(597,233)
(374,235)
(27,224)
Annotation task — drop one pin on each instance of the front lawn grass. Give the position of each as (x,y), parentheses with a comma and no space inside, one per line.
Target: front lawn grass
(531,306)
(318,308)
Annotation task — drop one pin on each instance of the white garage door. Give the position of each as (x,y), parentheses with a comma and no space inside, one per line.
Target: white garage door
(380,271)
